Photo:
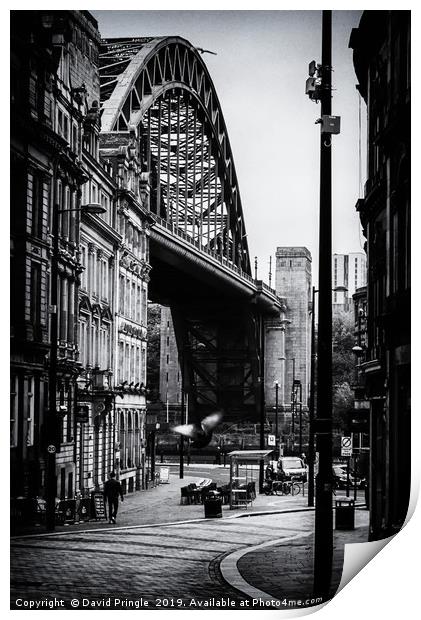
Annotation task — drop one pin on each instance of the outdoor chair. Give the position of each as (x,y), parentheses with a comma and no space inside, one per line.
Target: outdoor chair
(225,493)
(206,489)
(195,493)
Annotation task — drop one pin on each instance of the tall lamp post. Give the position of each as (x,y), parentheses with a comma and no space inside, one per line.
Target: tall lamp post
(52,414)
(323,535)
(276,420)
(293,402)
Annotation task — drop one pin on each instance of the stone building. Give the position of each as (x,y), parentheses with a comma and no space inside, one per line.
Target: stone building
(288,345)
(48,108)
(132,268)
(381,47)
(60,163)
(170,375)
(349,272)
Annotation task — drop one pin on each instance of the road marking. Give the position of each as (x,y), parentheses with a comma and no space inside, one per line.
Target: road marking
(232,575)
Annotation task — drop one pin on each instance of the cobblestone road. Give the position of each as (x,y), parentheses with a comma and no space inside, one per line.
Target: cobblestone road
(169,561)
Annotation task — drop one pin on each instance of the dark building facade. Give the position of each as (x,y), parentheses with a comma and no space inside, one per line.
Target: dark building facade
(60,166)
(47,109)
(381,47)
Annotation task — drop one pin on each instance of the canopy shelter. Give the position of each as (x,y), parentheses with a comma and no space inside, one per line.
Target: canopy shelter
(244,467)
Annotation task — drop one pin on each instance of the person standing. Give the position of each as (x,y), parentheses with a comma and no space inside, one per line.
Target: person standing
(112,490)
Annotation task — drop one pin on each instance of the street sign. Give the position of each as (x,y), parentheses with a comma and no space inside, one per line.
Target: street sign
(51,449)
(271,440)
(98,505)
(346,446)
(164,474)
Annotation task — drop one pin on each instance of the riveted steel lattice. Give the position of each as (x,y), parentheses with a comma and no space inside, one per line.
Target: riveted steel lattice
(161,87)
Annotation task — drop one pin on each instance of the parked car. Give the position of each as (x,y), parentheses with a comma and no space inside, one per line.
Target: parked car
(340,477)
(290,467)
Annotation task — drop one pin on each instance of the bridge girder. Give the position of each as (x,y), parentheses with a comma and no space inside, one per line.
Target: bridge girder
(161,88)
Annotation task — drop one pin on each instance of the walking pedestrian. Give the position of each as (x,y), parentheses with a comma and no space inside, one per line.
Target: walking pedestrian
(112,489)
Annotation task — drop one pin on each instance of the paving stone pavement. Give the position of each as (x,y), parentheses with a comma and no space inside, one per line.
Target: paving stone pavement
(285,570)
(154,563)
(152,558)
(162,505)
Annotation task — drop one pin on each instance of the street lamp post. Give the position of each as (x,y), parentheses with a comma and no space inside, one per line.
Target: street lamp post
(323,536)
(152,449)
(181,454)
(51,417)
(276,420)
(293,406)
(300,421)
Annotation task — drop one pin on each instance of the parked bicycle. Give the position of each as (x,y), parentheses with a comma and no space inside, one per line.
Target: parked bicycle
(289,487)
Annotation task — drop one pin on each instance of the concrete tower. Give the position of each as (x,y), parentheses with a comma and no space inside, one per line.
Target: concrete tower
(288,339)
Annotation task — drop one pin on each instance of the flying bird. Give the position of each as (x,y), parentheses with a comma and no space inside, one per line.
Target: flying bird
(202,51)
(200,434)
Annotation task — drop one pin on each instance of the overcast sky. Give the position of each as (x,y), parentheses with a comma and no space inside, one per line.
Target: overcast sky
(259,74)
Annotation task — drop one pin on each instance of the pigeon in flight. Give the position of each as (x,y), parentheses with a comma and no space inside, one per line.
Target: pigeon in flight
(200,434)
(202,51)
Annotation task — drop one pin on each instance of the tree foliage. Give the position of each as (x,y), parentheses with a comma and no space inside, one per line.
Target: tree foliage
(154,350)
(343,368)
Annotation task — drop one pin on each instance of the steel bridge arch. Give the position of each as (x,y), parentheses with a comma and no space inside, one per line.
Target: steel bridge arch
(157,84)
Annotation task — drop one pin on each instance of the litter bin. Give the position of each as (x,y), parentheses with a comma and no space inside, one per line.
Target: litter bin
(345,514)
(213,504)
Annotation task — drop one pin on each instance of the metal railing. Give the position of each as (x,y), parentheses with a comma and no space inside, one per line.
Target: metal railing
(178,232)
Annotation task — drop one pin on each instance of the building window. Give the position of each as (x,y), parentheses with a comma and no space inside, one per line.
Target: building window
(138,368)
(132,368)
(63,125)
(37,204)
(120,370)
(133,307)
(83,260)
(138,305)
(104,279)
(127,362)
(143,375)
(127,299)
(63,69)
(33,91)
(83,342)
(36,298)
(144,306)
(30,413)
(75,140)
(94,193)
(95,342)
(121,294)
(14,409)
